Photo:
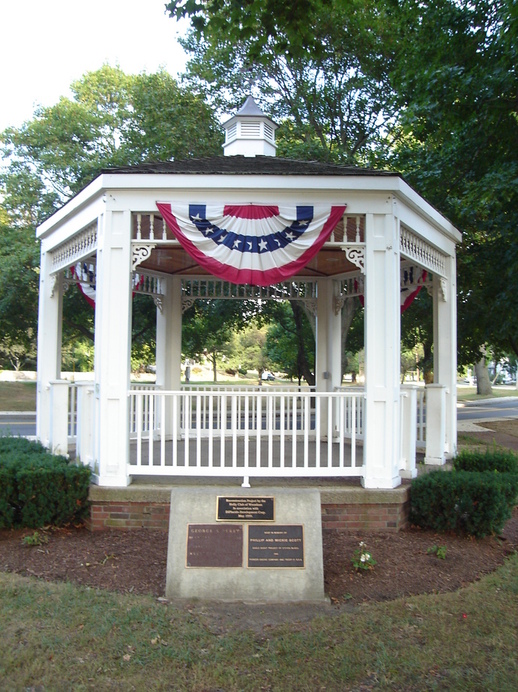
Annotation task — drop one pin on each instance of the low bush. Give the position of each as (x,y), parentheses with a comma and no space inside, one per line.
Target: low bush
(38,488)
(478,503)
(503,461)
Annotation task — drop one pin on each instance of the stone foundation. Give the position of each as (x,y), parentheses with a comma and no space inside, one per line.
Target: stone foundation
(343,509)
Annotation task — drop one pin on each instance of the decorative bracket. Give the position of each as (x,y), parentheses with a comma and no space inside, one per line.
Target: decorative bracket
(159,302)
(443,289)
(338,303)
(53,282)
(311,306)
(187,303)
(140,252)
(356,255)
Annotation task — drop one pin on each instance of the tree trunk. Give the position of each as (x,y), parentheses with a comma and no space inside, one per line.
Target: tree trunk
(483,381)
(214,366)
(302,363)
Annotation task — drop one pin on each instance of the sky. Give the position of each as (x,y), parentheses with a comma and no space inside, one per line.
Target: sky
(48,44)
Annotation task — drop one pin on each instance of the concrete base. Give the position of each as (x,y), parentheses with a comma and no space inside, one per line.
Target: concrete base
(276,583)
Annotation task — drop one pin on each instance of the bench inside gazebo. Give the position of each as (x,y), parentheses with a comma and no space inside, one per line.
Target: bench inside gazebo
(248,226)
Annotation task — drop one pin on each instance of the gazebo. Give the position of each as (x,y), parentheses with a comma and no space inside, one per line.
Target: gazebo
(248,225)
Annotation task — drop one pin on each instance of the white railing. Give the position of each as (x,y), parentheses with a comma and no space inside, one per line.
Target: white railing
(263,433)
(421,418)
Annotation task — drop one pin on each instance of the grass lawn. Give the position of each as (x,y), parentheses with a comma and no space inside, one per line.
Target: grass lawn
(17,396)
(59,636)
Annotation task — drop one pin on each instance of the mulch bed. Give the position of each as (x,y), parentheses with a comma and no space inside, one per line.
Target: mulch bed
(135,561)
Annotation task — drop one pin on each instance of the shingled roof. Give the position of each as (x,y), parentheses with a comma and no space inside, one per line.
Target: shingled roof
(246,165)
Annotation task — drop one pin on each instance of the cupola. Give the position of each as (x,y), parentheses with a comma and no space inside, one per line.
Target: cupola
(250,132)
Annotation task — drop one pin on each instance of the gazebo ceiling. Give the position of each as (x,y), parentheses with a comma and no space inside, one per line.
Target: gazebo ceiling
(175,260)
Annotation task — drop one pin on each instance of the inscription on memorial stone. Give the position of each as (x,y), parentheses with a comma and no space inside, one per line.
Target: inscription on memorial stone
(214,545)
(245,509)
(276,546)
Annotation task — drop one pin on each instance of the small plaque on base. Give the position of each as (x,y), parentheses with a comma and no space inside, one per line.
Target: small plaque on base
(214,545)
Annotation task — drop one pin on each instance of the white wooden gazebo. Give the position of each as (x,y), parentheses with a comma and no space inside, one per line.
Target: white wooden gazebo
(122,234)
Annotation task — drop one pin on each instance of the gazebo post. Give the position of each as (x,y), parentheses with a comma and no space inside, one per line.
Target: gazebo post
(445,350)
(49,346)
(381,451)
(328,361)
(169,341)
(113,347)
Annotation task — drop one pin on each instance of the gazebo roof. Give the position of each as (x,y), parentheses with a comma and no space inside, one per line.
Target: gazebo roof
(246,165)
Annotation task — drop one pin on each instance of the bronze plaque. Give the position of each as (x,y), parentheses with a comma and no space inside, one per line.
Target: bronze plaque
(245,509)
(214,545)
(276,546)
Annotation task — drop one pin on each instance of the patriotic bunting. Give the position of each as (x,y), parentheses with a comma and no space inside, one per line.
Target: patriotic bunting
(85,278)
(409,288)
(251,244)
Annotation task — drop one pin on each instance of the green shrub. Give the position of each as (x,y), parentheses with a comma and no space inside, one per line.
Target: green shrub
(503,461)
(38,488)
(478,503)
(7,496)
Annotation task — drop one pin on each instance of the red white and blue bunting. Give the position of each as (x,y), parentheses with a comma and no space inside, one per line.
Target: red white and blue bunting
(251,244)
(84,275)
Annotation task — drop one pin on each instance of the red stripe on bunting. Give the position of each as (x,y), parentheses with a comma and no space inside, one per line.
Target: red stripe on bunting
(250,211)
(252,277)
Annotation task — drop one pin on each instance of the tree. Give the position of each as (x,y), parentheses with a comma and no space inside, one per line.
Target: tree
(437,79)
(112,119)
(208,328)
(331,95)
(458,144)
(19,269)
(290,342)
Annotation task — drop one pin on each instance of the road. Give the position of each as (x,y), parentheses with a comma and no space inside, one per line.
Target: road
(18,424)
(25,423)
(483,410)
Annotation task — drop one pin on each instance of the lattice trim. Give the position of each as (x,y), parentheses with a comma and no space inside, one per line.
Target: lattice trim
(207,289)
(417,249)
(78,248)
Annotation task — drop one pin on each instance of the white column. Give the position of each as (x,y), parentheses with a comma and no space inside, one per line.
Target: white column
(435,424)
(328,360)
(85,423)
(49,345)
(169,344)
(334,342)
(59,417)
(169,335)
(408,413)
(328,357)
(324,297)
(113,347)
(382,352)
(445,349)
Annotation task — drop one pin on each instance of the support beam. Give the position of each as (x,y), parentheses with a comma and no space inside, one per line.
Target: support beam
(382,351)
(49,345)
(113,347)
(169,346)
(445,349)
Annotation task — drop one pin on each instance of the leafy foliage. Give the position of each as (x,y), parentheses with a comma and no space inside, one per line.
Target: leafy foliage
(478,503)
(37,488)
(112,119)
(331,96)
(501,461)
(456,143)
(290,342)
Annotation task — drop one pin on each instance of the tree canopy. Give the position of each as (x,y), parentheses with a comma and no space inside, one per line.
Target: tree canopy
(426,87)
(112,119)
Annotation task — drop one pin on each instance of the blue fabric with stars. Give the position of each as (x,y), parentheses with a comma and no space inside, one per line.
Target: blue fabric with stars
(254,244)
